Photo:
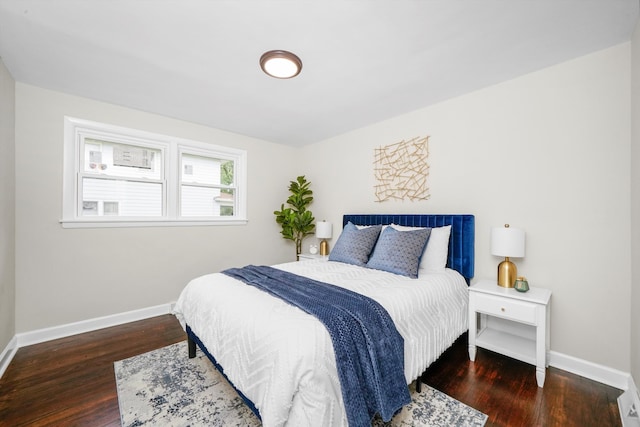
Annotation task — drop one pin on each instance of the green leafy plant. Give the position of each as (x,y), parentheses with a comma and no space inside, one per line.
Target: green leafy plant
(296,220)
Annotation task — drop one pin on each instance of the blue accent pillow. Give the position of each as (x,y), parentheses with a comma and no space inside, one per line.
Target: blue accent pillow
(354,245)
(399,252)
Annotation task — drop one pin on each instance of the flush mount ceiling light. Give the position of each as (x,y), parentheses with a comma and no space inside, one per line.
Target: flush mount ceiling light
(280,64)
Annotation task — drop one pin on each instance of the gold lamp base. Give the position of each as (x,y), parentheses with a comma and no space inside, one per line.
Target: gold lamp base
(324,247)
(507,273)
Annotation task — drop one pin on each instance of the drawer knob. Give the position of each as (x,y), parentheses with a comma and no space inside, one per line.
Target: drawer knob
(502,309)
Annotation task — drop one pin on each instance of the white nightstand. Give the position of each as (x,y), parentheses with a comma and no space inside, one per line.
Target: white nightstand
(306,257)
(512,323)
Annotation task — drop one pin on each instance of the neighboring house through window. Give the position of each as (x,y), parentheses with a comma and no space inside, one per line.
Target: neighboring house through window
(115,176)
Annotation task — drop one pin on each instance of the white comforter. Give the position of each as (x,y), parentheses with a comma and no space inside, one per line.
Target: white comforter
(282,359)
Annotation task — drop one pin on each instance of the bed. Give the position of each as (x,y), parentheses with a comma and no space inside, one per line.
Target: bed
(281,359)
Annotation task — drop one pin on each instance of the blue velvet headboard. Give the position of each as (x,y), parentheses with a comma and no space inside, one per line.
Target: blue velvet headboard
(461,242)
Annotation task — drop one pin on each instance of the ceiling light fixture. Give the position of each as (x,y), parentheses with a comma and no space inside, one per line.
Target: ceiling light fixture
(280,64)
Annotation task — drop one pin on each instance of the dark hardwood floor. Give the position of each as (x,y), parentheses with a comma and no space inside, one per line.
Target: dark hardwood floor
(506,390)
(71,382)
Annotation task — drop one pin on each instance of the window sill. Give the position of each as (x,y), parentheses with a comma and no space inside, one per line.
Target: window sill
(83,223)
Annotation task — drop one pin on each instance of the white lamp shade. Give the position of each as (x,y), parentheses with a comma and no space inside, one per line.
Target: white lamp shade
(324,230)
(507,242)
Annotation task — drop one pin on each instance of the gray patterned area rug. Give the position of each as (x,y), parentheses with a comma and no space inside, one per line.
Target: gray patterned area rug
(166,388)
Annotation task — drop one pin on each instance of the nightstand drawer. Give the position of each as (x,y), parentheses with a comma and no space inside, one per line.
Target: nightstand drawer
(507,308)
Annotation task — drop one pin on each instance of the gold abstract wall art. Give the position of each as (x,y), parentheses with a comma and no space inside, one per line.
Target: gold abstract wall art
(401,170)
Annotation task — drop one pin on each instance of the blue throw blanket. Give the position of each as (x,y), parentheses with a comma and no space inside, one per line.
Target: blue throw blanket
(369,350)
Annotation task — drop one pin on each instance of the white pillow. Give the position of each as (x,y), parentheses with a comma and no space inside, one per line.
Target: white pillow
(405,227)
(362,227)
(434,257)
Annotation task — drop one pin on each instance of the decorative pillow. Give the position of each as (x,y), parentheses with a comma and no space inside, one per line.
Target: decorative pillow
(354,245)
(434,259)
(399,252)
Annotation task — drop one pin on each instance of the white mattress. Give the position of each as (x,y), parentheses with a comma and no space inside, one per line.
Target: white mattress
(282,359)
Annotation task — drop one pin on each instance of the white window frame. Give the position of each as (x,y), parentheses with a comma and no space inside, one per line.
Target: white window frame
(172,148)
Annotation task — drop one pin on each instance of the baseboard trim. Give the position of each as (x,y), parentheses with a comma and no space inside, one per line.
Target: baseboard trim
(7,354)
(62,331)
(629,405)
(590,370)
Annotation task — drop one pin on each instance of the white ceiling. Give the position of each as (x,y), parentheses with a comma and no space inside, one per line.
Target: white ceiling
(364,60)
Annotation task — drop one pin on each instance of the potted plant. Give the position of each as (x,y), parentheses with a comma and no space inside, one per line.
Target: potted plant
(296,220)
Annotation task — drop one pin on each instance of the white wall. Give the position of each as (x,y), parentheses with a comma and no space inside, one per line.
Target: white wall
(547,152)
(7,207)
(635,204)
(69,275)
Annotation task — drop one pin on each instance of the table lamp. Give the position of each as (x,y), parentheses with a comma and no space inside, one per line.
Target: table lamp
(509,243)
(324,231)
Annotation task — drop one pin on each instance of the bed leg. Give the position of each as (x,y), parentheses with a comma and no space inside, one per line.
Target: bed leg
(419,384)
(192,347)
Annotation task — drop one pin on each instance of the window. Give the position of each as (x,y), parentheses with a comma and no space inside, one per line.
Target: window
(122,177)
(130,175)
(206,186)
